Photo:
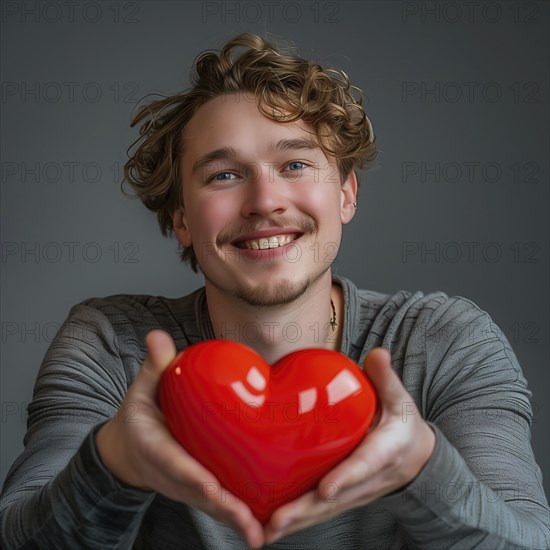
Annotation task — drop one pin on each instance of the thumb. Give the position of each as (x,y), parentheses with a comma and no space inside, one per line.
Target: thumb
(378,368)
(162,352)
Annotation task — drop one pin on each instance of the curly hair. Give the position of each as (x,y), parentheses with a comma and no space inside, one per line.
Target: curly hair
(287,88)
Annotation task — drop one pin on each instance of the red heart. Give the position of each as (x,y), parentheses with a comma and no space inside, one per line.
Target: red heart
(268,434)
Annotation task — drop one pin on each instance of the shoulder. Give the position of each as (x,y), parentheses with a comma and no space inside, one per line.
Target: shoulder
(404,311)
(441,346)
(376,319)
(399,304)
(127,318)
(134,305)
(405,322)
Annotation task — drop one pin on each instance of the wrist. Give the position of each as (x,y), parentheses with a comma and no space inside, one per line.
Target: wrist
(425,447)
(423,451)
(110,449)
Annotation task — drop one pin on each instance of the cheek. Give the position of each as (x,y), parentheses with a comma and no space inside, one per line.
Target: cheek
(320,199)
(209,216)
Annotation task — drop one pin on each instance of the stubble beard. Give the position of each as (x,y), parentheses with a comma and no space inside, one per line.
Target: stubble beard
(274,294)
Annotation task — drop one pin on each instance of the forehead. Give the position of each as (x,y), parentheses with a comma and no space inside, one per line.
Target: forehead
(234,120)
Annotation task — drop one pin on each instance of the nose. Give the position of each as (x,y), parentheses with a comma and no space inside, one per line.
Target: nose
(265,193)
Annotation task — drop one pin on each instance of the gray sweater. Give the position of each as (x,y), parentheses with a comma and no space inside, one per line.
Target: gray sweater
(480,489)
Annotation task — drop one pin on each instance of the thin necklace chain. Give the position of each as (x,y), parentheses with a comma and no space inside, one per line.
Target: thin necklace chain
(332,321)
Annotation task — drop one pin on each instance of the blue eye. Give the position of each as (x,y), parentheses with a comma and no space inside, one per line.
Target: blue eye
(297,162)
(218,177)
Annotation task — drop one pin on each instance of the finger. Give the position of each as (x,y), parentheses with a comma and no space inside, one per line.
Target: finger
(305,511)
(365,463)
(389,388)
(162,352)
(226,508)
(250,529)
(355,469)
(285,519)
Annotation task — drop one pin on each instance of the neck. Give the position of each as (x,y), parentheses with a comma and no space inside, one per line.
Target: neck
(275,331)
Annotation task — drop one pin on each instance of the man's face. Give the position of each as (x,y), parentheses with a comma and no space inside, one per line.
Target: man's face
(263,205)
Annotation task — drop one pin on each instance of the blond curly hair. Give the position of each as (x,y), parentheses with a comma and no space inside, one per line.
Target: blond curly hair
(287,88)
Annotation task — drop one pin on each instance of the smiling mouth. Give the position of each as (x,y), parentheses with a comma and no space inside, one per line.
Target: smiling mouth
(264,243)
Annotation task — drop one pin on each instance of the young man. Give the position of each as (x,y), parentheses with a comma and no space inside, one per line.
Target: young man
(254,171)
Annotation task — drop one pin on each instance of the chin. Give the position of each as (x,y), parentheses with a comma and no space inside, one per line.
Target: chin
(268,293)
(271,291)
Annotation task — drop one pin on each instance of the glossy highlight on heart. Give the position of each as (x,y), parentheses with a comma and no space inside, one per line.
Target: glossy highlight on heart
(268,433)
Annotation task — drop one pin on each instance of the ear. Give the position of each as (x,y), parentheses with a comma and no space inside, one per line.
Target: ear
(348,198)
(181,227)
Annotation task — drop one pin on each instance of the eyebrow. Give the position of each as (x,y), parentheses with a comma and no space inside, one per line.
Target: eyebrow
(275,147)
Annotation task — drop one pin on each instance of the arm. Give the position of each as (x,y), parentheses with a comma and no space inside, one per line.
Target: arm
(481,486)
(58,493)
(447,503)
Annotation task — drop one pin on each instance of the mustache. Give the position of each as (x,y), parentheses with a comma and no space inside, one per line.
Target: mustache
(306,226)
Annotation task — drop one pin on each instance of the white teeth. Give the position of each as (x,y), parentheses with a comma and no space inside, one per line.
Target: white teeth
(271,242)
(284,239)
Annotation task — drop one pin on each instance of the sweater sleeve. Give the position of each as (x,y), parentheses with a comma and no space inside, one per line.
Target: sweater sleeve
(482,487)
(58,494)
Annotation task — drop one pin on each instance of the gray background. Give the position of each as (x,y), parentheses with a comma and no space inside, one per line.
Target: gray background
(477,227)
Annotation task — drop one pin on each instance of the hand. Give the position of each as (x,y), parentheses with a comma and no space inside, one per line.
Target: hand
(392,454)
(140,450)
